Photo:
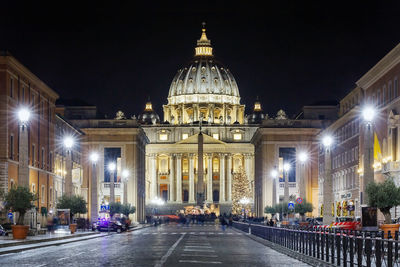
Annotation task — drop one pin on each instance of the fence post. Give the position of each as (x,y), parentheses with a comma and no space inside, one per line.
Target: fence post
(314,239)
(351,248)
(345,246)
(327,245)
(378,256)
(318,234)
(359,243)
(333,246)
(396,246)
(368,250)
(390,253)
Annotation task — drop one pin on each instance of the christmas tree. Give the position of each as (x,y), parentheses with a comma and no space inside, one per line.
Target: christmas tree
(241,193)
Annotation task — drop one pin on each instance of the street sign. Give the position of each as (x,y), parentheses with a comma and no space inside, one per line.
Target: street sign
(290,205)
(299,200)
(10,215)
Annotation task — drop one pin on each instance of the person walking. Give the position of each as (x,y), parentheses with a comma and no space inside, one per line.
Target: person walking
(223,223)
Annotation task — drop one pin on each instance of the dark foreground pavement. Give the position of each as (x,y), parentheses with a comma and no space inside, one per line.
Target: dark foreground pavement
(167,245)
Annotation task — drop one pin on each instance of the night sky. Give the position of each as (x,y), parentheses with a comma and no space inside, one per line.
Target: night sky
(289,54)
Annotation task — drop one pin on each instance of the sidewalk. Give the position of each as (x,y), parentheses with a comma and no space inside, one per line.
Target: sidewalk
(9,245)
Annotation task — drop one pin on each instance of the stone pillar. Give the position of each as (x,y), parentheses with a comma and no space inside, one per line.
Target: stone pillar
(229,178)
(125,182)
(327,188)
(23,157)
(153,176)
(303,180)
(191,178)
(171,178)
(286,188)
(209,179)
(112,188)
(179,178)
(68,175)
(368,159)
(200,171)
(222,178)
(93,195)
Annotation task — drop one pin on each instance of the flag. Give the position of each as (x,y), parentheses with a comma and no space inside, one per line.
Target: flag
(377,149)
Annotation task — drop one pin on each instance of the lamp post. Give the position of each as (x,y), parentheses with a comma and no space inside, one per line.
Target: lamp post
(327,142)
(23,157)
(111,169)
(368,115)
(286,169)
(68,144)
(94,157)
(303,158)
(125,175)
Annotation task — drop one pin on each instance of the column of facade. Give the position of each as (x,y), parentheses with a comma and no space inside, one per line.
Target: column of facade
(209,179)
(153,176)
(191,178)
(229,178)
(327,188)
(222,178)
(179,178)
(171,178)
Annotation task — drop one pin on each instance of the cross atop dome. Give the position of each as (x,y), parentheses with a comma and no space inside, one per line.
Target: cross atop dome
(203,44)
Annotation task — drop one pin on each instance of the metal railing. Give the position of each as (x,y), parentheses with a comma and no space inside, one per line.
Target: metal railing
(333,246)
(116,185)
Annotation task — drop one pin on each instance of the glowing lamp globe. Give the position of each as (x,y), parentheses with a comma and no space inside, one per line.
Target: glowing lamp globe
(274,173)
(286,167)
(368,113)
(68,142)
(125,174)
(94,157)
(23,115)
(111,167)
(327,141)
(303,157)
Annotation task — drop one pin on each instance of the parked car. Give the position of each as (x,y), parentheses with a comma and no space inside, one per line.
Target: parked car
(114,226)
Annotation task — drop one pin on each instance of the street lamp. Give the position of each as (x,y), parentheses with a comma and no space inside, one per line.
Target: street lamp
(368,114)
(23,158)
(68,143)
(125,175)
(94,157)
(111,168)
(303,157)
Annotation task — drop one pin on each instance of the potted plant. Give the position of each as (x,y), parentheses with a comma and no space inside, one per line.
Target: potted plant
(384,196)
(302,209)
(76,205)
(271,210)
(115,207)
(19,199)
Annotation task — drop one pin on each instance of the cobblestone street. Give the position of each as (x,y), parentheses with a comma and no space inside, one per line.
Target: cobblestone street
(166,245)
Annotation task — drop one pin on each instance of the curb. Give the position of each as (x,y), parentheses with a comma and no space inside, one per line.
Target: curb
(29,242)
(44,242)
(293,254)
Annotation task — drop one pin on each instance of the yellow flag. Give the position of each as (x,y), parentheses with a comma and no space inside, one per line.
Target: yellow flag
(377,149)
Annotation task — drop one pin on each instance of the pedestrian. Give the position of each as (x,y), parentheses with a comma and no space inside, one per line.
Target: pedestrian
(230,221)
(223,222)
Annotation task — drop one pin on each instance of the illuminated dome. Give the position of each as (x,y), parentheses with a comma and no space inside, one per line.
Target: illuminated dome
(203,82)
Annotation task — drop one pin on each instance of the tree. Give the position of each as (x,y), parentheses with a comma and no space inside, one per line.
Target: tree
(240,192)
(75,204)
(271,210)
(303,208)
(115,207)
(384,196)
(19,199)
(127,209)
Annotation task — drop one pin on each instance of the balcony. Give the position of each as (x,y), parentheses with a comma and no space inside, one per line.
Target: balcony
(391,166)
(107,185)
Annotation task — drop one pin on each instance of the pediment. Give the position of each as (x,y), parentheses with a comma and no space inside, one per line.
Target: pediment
(206,140)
